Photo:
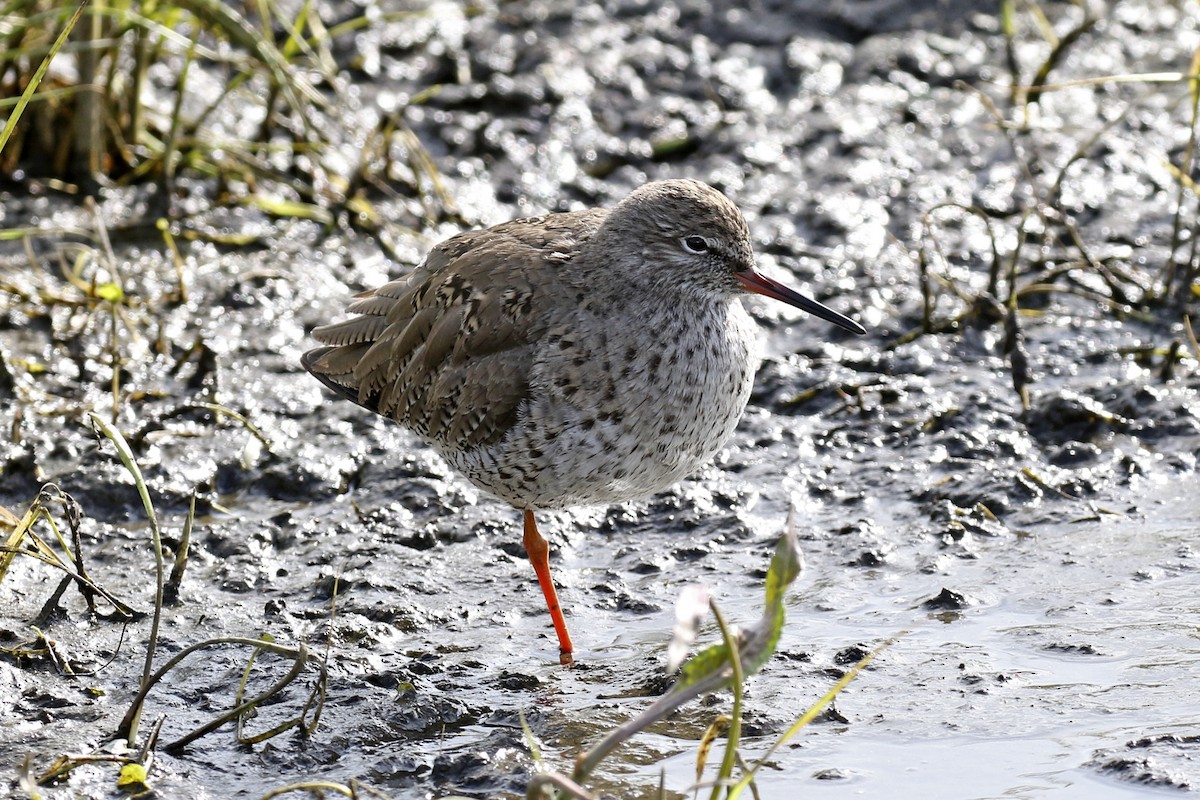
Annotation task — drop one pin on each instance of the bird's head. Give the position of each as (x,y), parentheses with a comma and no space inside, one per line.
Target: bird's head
(695,240)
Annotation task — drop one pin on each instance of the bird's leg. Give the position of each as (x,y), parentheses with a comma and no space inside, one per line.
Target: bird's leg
(539,555)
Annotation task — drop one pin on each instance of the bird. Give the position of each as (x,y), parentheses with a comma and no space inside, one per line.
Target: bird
(577,358)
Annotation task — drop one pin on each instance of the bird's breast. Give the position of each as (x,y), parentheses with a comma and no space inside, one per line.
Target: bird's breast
(623,409)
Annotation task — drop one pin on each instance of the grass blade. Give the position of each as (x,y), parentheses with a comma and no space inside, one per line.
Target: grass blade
(11,124)
(126,456)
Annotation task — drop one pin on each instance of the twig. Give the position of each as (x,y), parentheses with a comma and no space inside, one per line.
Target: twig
(299,654)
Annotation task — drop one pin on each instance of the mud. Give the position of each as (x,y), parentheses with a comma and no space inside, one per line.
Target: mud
(1038,567)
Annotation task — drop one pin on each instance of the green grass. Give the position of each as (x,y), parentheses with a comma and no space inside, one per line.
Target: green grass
(113,126)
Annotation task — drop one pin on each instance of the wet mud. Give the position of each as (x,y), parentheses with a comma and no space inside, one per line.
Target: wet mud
(1037,566)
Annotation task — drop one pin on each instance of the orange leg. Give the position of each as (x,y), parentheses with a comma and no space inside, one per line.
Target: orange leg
(539,555)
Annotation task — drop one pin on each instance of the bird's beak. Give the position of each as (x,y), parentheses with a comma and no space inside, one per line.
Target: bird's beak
(752,281)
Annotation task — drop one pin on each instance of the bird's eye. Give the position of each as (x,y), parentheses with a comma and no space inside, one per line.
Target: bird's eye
(695,244)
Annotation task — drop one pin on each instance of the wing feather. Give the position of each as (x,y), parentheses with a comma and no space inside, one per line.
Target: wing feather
(447,350)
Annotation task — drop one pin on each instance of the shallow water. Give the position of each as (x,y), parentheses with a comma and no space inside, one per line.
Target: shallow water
(1037,568)
(1066,675)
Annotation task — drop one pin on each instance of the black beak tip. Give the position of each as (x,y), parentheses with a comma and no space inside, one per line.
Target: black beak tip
(854,327)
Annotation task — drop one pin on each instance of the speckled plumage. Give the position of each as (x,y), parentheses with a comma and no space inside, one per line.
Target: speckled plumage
(588,357)
(557,361)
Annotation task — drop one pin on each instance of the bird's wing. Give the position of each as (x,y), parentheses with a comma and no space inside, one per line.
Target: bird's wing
(448,349)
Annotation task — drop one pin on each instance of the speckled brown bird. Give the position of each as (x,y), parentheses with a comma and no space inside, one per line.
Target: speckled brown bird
(588,357)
